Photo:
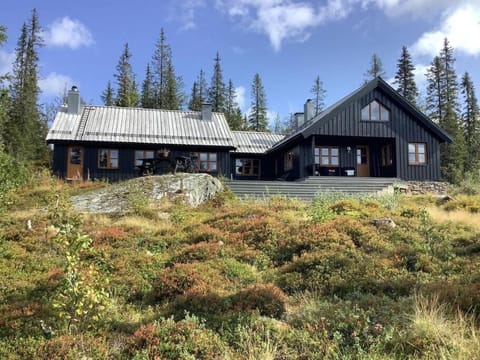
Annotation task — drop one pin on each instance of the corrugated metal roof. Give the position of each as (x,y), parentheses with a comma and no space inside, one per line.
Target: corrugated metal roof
(253,142)
(137,125)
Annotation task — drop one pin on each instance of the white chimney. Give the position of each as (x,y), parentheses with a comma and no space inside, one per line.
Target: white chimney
(309,110)
(74,104)
(206,111)
(299,119)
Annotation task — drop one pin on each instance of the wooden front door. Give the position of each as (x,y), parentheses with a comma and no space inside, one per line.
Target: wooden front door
(75,162)
(363,162)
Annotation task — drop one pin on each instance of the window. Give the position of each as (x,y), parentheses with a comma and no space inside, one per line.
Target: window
(207,161)
(417,153)
(387,156)
(327,156)
(143,154)
(247,167)
(375,112)
(288,161)
(108,159)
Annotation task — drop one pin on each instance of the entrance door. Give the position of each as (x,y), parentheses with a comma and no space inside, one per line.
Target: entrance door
(75,162)
(363,163)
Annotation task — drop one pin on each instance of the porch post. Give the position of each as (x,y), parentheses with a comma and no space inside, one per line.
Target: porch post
(312,154)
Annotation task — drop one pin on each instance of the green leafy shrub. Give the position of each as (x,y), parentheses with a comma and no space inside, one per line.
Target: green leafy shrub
(166,339)
(13,174)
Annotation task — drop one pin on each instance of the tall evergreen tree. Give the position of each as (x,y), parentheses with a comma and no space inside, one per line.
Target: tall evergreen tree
(3,93)
(471,124)
(25,129)
(318,93)
(108,95)
(375,69)
(167,86)
(199,93)
(257,118)
(217,93)
(442,105)
(147,97)
(127,93)
(405,77)
(233,114)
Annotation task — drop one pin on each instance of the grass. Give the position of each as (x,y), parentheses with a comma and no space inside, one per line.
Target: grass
(334,286)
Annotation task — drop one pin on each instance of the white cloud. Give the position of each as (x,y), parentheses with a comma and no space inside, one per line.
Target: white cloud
(186,12)
(461,27)
(284,20)
(68,32)
(6,62)
(240,92)
(415,8)
(55,84)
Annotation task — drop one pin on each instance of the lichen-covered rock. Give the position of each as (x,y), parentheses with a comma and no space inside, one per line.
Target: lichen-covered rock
(194,189)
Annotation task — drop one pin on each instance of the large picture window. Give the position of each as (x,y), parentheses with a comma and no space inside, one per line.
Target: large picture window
(375,112)
(327,156)
(207,161)
(417,154)
(387,155)
(108,158)
(143,154)
(247,167)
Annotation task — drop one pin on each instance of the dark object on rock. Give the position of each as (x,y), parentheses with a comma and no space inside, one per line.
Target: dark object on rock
(385,223)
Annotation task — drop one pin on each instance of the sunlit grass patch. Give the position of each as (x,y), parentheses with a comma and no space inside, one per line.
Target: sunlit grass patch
(456,216)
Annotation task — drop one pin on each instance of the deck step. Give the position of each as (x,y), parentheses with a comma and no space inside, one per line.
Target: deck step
(309,188)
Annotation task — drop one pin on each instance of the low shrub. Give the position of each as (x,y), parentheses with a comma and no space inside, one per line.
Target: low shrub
(267,299)
(167,339)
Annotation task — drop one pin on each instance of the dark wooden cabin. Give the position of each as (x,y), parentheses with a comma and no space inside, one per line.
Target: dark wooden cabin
(373,132)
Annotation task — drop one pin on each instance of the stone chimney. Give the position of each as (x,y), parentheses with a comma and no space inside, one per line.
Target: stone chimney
(309,110)
(74,105)
(299,119)
(206,111)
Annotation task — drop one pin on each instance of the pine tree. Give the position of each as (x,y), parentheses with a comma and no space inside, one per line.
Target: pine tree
(233,114)
(199,93)
(127,93)
(471,123)
(257,118)
(405,77)
(442,105)
(25,129)
(217,93)
(108,96)
(147,97)
(167,86)
(318,93)
(376,68)
(3,94)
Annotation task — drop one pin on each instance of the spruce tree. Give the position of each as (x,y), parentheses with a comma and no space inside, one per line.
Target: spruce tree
(108,95)
(405,77)
(375,69)
(318,93)
(3,93)
(471,124)
(199,93)
(217,93)
(442,105)
(127,93)
(147,97)
(167,86)
(257,118)
(25,129)
(233,114)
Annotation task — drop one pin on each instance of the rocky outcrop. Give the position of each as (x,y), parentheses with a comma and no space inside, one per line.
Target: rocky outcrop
(421,187)
(193,189)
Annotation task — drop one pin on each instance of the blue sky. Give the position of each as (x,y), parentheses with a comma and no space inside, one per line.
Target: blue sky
(288,42)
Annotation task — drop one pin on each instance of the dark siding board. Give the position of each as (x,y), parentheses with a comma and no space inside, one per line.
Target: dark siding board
(60,158)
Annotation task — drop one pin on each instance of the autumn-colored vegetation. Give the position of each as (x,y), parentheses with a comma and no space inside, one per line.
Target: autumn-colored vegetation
(239,279)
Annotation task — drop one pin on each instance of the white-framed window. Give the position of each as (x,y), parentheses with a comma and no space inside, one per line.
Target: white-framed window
(375,112)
